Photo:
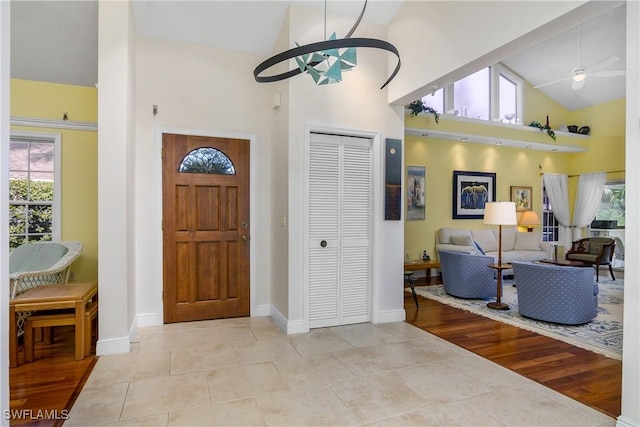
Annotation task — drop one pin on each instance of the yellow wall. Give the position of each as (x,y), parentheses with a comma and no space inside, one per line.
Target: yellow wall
(513,166)
(41,100)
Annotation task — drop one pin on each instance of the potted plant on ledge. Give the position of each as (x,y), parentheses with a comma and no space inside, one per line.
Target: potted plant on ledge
(418,107)
(543,128)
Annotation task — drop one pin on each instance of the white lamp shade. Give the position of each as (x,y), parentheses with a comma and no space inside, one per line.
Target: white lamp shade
(500,213)
(529,218)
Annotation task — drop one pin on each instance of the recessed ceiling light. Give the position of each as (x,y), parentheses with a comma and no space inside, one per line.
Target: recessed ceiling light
(463,139)
(498,143)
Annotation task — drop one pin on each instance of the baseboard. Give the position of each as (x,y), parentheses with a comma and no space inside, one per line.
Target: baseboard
(290,327)
(623,422)
(149,319)
(296,327)
(277,317)
(261,310)
(113,346)
(389,316)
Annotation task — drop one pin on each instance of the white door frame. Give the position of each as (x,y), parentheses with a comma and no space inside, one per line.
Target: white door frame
(157,220)
(376,203)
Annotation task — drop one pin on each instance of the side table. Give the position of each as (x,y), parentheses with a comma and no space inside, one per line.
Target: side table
(421,265)
(498,304)
(52,297)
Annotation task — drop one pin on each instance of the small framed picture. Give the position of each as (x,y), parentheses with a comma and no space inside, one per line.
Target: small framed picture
(523,197)
(416,191)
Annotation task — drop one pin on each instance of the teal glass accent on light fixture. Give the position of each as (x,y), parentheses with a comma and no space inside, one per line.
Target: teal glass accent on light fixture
(326,66)
(323,61)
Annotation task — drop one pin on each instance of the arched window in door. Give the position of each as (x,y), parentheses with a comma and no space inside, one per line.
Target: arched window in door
(207,160)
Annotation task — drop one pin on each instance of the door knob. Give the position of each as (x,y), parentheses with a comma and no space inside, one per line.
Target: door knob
(244,237)
(244,224)
(323,243)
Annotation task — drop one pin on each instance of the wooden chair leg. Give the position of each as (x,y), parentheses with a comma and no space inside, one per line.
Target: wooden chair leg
(28,341)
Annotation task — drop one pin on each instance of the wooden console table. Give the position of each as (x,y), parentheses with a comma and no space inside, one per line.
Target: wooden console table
(52,297)
(421,265)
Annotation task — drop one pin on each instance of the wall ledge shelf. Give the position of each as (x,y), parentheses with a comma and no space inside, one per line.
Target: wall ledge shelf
(521,141)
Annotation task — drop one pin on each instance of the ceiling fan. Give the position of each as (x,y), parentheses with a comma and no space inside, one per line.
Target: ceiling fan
(580,72)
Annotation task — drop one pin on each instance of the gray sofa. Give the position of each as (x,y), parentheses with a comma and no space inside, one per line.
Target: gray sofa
(558,294)
(516,245)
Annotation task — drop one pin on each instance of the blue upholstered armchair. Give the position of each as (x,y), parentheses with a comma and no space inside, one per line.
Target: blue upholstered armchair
(556,294)
(467,276)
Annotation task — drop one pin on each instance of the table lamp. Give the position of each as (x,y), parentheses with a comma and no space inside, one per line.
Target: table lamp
(529,219)
(500,213)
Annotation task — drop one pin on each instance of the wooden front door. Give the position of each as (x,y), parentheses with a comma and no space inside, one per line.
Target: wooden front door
(205,205)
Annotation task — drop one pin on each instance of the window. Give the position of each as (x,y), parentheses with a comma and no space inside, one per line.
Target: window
(493,93)
(612,203)
(34,205)
(435,100)
(471,95)
(550,229)
(507,97)
(207,160)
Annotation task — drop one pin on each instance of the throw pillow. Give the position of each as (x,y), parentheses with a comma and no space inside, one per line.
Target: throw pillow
(479,248)
(462,240)
(528,241)
(486,239)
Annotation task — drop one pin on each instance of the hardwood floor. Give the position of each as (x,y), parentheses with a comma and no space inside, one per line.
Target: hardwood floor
(42,392)
(587,377)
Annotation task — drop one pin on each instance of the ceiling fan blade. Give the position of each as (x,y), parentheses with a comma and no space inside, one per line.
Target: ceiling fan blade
(577,84)
(608,73)
(604,63)
(551,82)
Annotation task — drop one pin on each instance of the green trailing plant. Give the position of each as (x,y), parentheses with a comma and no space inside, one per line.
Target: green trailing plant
(418,107)
(543,128)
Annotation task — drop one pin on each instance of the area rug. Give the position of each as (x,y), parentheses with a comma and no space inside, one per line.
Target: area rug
(602,335)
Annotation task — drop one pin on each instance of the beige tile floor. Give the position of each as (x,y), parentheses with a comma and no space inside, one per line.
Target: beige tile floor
(246,372)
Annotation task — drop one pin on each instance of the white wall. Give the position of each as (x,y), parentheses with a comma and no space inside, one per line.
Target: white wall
(631,345)
(356,104)
(201,90)
(115,180)
(280,187)
(5,47)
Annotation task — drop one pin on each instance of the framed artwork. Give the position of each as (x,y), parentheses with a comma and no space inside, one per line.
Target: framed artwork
(416,193)
(393,180)
(522,196)
(471,190)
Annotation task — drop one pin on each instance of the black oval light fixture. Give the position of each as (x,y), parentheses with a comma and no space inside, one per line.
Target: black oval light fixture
(323,60)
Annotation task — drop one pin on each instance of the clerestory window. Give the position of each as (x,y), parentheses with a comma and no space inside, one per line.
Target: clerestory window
(494,93)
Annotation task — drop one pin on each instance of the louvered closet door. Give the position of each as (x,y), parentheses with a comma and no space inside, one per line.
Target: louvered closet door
(339,258)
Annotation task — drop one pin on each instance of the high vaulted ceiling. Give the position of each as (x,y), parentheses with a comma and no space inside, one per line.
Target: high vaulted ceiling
(57,41)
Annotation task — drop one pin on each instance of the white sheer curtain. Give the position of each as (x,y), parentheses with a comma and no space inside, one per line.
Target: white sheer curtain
(590,188)
(557,187)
